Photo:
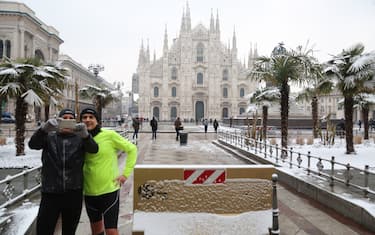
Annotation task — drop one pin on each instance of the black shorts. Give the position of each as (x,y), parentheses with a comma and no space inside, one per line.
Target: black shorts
(105,207)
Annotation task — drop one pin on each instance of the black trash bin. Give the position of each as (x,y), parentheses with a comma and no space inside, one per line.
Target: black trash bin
(183,138)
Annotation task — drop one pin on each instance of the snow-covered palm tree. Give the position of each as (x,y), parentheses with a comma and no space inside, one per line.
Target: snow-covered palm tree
(28,81)
(265,97)
(101,97)
(351,70)
(280,70)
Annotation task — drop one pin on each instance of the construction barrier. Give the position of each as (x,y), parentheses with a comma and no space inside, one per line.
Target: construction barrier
(217,189)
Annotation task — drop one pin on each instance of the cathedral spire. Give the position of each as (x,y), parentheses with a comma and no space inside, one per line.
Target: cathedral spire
(255,55)
(141,56)
(148,51)
(217,23)
(234,42)
(188,19)
(212,23)
(250,59)
(183,22)
(165,46)
(154,56)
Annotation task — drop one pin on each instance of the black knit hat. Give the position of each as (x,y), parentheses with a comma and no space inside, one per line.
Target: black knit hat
(89,111)
(67,111)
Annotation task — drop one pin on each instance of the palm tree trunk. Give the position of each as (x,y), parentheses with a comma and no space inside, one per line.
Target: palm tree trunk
(348,110)
(365,112)
(265,119)
(46,110)
(1,106)
(21,111)
(314,113)
(99,107)
(284,103)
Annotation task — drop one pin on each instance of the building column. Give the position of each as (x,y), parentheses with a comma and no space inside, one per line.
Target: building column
(22,43)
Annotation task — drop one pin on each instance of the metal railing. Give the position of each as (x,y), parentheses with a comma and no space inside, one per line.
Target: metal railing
(18,186)
(332,170)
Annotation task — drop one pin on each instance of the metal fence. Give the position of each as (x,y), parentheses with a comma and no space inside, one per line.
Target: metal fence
(20,185)
(350,176)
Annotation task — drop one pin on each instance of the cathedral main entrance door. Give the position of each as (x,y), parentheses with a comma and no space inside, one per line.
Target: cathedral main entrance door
(199,110)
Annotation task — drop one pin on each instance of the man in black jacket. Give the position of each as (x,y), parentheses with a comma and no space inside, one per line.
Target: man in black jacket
(62,174)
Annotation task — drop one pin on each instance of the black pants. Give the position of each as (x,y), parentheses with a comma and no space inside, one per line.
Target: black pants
(68,204)
(153,134)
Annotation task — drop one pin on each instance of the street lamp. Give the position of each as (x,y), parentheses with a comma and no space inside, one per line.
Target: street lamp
(96,68)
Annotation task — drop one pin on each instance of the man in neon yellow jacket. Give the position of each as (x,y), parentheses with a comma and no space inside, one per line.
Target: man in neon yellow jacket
(101,176)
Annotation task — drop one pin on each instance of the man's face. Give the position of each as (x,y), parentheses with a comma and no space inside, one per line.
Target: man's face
(89,120)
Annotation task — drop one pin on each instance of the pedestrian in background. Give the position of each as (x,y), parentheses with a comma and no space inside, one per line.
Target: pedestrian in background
(102,178)
(216,125)
(177,127)
(154,127)
(136,124)
(205,124)
(62,173)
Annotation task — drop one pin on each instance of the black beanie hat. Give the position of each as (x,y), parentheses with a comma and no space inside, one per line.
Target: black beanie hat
(90,111)
(67,111)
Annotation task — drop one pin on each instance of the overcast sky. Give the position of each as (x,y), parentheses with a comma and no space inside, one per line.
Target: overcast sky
(110,32)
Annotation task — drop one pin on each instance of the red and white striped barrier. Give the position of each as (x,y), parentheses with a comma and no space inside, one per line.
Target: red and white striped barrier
(204,176)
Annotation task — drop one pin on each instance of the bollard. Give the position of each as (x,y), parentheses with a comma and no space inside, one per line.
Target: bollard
(275,210)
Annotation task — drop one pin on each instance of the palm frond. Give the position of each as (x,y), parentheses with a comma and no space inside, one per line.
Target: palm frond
(32,98)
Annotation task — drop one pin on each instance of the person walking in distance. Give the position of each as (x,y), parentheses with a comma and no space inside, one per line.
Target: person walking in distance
(154,127)
(177,127)
(205,123)
(102,178)
(63,152)
(216,125)
(136,124)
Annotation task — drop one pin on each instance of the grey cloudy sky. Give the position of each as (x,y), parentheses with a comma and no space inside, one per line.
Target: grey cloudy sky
(110,32)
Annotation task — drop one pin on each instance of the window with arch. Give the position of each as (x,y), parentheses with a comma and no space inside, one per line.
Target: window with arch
(156,91)
(200,52)
(225,75)
(174,91)
(7,48)
(242,92)
(225,92)
(242,110)
(174,73)
(200,78)
(39,55)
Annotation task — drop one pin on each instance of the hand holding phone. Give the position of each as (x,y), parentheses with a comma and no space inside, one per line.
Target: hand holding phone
(67,123)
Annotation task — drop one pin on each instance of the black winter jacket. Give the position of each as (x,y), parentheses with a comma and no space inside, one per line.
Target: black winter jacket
(62,159)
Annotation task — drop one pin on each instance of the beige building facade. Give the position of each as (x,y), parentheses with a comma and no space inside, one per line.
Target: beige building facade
(197,76)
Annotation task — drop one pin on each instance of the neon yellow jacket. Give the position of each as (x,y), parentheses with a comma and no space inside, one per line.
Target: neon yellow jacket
(101,169)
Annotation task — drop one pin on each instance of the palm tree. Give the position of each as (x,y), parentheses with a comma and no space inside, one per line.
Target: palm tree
(279,70)
(265,97)
(101,97)
(27,80)
(352,70)
(320,85)
(363,101)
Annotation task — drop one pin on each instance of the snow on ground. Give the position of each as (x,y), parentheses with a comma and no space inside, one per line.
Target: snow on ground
(201,223)
(256,222)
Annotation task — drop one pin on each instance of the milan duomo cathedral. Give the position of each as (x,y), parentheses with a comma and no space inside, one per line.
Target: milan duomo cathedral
(197,77)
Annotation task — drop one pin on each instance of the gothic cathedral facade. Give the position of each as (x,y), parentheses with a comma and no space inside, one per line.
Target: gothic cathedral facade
(197,76)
